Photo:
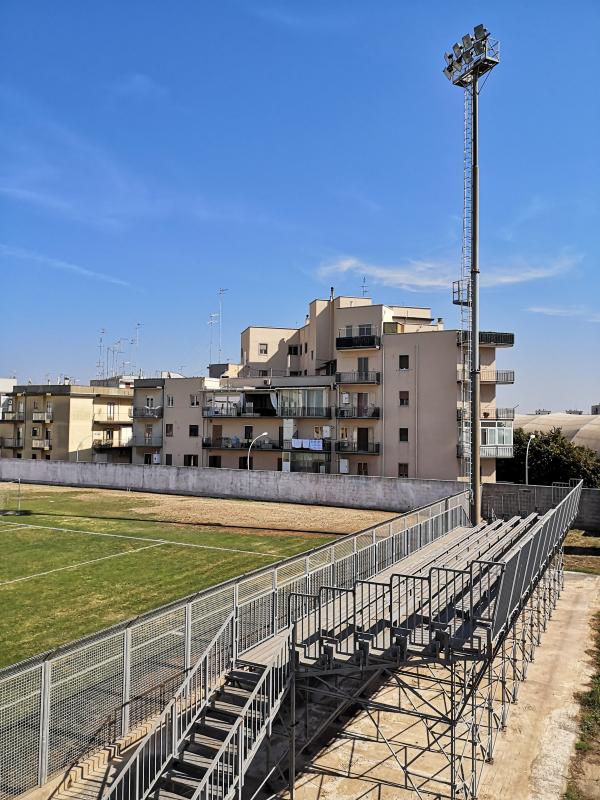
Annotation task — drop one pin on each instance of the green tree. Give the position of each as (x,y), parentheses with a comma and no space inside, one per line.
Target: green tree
(552,457)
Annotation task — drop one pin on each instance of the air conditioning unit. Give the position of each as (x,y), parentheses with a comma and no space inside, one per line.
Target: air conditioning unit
(267,382)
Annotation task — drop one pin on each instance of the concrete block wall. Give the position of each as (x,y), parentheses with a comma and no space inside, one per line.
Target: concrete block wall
(508,499)
(348,491)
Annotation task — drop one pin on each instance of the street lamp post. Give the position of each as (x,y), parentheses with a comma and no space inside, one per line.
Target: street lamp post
(256,438)
(527,459)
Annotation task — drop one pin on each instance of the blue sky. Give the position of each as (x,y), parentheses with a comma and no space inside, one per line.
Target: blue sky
(153,152)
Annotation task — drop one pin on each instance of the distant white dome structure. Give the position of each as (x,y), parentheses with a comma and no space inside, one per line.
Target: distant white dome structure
(582,429)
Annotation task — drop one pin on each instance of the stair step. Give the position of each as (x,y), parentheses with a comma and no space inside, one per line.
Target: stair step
(244,677)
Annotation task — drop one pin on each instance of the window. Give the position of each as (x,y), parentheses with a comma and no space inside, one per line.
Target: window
(47,458)
(365,330)
(147,459)
(263,349)
(35,432)
(363,365)
(403,434)
(170,400)
(214,461)
(194,431)
(149,402)
(262,373)
(168,429)
(403,398)
(312,355)
(194,400)
(243,462)
(305,348)
(190,460)
(403,470)
(362,468)
(168,460)
(292,349)
(403,362)
(110,411)
(248,432)
(34,456)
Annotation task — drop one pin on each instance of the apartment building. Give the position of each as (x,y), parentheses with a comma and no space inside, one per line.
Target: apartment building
(360,389)
(67,422)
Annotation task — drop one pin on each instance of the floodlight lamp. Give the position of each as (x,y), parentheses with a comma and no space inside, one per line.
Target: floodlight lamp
(457,50)
(467,41)
(449,58)
(448,71)
(480,32)
(468,56)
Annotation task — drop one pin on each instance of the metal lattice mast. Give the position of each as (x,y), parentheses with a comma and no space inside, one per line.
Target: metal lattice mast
(469,61)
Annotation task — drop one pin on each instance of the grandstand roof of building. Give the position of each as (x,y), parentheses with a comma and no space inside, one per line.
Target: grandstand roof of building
(582,429)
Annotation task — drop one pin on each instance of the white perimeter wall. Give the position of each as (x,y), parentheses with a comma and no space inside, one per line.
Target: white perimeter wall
(350,491)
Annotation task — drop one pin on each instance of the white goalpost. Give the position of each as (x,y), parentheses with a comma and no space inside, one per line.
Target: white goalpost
(10,498)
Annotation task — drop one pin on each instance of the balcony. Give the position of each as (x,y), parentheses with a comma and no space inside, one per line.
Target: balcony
(352,412)
(123,417)
(41,444)
(358,337)
(358,377)
(321,412)
(148,441)
(234,443)
(107,444)
(234,410)
(304,445)
(13,416)
(490,338)
(496,451)
(11,442)
(487,375)
(321,467)
(497,413)
(42,416)
(497,376)
(370,448)
(147,412)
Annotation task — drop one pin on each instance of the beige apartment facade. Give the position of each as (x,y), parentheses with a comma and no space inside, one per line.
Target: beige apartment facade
(360,389)
(66,422)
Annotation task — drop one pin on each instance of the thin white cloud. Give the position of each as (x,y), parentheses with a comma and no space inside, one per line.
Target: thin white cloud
(307,23)
(427,275)
(140,86)
(565,311)
(54,263)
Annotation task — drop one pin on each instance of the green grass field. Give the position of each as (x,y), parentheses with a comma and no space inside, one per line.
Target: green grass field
(81,560)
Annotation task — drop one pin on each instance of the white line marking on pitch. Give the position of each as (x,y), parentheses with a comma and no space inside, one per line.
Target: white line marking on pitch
(143,539)
(80,564)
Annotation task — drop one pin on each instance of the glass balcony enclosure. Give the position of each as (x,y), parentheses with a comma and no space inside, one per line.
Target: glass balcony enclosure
(496,432)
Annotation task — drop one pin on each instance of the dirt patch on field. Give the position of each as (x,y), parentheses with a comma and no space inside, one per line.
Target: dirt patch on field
(267,516)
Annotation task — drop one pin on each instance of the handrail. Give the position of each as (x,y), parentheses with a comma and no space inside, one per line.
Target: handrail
(235,731)
(172,726)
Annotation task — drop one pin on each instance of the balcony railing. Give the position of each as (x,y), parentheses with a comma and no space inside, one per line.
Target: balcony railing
(42,416)
(11,442)
(357,342)
(123,416)
(105,444)
(306,445)
(496,451)
(237,411)
(497,413)
(352,412)
(233,443)
(369,448)
(323,412)
(497,376)
(487,375)
(13,416)
(148,412)
(41,444)
(491,338)
(148,441)
(358,377)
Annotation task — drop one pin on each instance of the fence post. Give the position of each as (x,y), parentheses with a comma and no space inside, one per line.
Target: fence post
(235,625)
(44,722)
(126,681)
(187,657)
(274,609)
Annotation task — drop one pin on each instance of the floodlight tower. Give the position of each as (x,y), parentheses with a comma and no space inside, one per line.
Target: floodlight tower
(465,65)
